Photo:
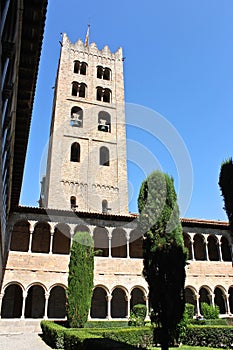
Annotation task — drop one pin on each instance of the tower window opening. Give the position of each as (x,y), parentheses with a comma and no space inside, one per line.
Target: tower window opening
(104,121)
(103,73)
(103,94)
(73,202)
(80,67)
(78,89)
(104,206)
(76,117)
(104,156)
(75,152)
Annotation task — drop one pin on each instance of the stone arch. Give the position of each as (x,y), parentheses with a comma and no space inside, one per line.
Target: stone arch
(76,117)
(57,302)
(190,298)
(230,293)
(219,299)
(136,244)
(188,244)
(75,152)
(137,296)
(20,236)
(119,244)
(41,238)
(199,247)
(204,293)
(99,303)
(35,301)
(100,237)
(61,239)
(81,228)
(12,301)
(119,303)
(213,248)
(225,247)
(104,121)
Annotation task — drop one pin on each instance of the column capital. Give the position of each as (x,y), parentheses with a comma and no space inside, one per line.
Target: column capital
(109,297)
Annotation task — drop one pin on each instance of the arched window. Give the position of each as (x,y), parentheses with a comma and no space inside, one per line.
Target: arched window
(104,206)
(103,95)
(107,74)
(104,121)
(73,202)
(107,95)
(76,117)
(78,89)
(75,152)
(104,156)
(103,73)
(80,67)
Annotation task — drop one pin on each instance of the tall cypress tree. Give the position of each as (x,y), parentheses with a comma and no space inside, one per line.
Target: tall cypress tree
(80,280)
(164,254)
(226,186)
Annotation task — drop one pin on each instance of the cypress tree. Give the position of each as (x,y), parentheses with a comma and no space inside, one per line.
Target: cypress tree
(226,186)
(80,280)
(164,254)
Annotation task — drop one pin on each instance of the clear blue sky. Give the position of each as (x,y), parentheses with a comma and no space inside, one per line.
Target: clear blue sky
(179,62)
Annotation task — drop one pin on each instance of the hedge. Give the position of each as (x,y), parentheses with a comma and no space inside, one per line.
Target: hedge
(59,337)
(106,324)
(209,336)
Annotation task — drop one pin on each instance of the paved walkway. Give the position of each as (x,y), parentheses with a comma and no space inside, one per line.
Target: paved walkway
(22,341)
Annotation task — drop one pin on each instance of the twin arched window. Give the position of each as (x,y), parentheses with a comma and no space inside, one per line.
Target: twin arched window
(78,89)
(75,152)
(103,95)
(104,156)
(103,73)
(80,67)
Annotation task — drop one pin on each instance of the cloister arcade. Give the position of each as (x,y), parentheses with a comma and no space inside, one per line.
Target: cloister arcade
(112,242)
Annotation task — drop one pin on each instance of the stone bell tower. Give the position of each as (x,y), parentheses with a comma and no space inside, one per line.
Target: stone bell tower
(86,167)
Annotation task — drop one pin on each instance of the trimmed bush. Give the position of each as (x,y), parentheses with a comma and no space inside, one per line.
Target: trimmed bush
(210,336)
(189,309)
(80,280)
(53,334)
(106,324)
(215,322)
(138,315)
(209,312)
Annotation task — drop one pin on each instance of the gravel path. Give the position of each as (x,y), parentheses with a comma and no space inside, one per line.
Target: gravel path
(22,341)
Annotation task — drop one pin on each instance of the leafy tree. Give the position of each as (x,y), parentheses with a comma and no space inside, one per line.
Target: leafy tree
(80,280)
(164,254)
(209,312)
(226,186)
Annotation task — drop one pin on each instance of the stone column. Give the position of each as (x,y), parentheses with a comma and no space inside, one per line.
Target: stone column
(109,298)
(46,294)
(127,298)
(25,293)
(30,240)
(211,298)
(192,249)
(220,249)
(110,229)
(206,247)
(52,231)
(146,298)
(1,297)
(197,297)
(127,236)
(226,299)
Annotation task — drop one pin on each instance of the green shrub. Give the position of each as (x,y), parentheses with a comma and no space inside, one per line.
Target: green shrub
(209,336)
(214,322)
(138,315)
(209,312)
(189,309)
(80,280)
(53,334)
(106,324)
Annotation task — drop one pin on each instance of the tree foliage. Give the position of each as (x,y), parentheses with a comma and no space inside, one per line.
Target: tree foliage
(80,280)
(226,186)
(164,253)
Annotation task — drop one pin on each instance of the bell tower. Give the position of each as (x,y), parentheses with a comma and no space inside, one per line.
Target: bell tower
(86,167)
